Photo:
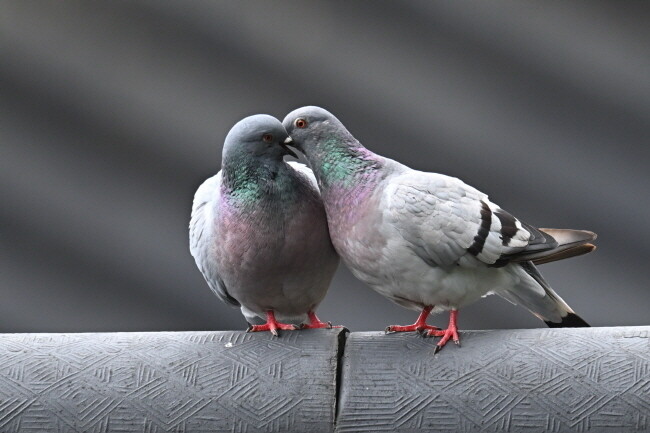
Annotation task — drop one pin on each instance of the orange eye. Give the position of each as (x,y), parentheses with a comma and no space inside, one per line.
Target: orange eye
(300,123)
(267,138)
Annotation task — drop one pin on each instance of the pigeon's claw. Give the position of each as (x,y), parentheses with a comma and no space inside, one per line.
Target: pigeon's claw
(450,333)
(273,328)
(446,335)
(272,325)
(419,326)
(316,323)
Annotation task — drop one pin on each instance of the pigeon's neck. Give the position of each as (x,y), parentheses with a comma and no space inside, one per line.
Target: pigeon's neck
(342,163)
(248,181)
(347,174)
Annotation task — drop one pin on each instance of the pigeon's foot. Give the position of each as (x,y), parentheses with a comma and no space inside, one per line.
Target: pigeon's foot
(420,325)
(316,323)
(272,325)
(450,333)
(421,328)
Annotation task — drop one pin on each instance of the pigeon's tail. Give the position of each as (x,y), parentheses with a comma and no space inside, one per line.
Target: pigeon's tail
(571,320)
(539,298)
(570,243)
(566,253)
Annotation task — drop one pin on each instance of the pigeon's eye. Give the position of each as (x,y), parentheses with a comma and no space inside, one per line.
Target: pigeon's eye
(300,123)
(267,138)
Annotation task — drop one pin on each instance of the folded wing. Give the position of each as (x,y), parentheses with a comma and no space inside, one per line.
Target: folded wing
(447,222)
(201,236)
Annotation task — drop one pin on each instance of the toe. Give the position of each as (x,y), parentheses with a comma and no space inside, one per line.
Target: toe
(435,333)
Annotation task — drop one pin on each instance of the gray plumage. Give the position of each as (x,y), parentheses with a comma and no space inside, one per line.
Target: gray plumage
(258,230)
(426,239)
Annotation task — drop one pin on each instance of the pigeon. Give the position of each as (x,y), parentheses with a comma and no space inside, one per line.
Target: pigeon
(258,230)
(427,241)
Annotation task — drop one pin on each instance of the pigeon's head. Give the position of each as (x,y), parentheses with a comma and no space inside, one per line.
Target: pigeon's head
(308,126)
(260,136)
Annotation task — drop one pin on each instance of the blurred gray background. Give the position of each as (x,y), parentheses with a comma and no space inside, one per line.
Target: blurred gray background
(112,114)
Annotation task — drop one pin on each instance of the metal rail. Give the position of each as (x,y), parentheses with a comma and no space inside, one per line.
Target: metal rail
(589,379)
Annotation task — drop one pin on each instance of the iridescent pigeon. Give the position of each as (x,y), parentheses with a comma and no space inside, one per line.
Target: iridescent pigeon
(427,241)
(258,231)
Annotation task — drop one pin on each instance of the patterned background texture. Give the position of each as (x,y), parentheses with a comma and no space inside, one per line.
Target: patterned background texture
(114,112)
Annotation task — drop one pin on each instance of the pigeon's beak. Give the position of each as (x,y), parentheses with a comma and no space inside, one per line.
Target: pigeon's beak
(285,146)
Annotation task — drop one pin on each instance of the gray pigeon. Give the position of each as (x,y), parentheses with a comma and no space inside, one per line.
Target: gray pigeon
(258,231)
(427,241)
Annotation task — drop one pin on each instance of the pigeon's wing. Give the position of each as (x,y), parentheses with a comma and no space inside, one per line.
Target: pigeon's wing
(305,172)
(201,236)
(447,222)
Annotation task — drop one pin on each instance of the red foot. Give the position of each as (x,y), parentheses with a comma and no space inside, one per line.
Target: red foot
(272,325)
(316,323)
(420,325)
(449,333)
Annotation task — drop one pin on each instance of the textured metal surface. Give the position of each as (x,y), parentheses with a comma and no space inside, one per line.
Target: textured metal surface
(563,380)
(595,380)
(168,382)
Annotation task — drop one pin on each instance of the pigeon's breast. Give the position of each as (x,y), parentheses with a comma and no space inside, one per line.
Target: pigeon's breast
(277,254)
(356,233)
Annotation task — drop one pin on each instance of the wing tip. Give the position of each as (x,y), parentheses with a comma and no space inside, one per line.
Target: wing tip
(570,235)
(571,320)
(565,254)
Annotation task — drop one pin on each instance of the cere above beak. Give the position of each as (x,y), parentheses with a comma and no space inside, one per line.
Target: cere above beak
(288,151)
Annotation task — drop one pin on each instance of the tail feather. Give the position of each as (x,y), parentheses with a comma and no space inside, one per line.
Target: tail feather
(570,237)
(568,245)
(565,254)
(571,320)
(535,294)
